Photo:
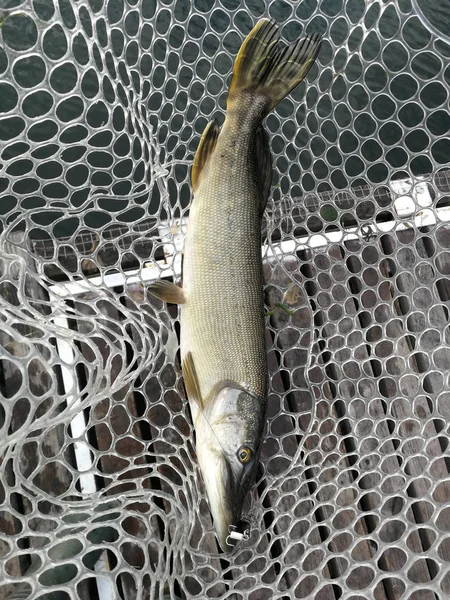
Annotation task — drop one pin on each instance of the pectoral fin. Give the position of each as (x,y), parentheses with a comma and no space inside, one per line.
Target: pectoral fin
(191,381)
(167,291)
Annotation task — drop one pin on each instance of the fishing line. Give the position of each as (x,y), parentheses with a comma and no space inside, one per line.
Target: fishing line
(223,449)
(210,426)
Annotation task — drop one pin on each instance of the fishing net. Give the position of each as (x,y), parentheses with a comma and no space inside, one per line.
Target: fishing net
(101,109)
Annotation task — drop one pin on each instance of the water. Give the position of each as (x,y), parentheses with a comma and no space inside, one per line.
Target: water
(339,71)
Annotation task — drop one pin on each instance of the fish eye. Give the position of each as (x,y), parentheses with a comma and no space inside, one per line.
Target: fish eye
(244,454)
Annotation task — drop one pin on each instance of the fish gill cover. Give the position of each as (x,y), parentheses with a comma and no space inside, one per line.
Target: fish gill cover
(101,108)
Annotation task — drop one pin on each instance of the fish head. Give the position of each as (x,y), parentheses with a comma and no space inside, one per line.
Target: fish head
(228,439)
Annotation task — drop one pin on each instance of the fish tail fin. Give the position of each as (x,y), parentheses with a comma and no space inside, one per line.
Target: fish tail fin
(268,68)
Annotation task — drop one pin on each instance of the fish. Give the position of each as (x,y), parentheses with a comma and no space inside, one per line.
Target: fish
(222,317)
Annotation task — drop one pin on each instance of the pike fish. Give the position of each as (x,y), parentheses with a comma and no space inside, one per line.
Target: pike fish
(223,351)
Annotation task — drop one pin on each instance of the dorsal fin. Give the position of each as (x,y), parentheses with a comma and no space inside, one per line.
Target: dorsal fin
(205,149)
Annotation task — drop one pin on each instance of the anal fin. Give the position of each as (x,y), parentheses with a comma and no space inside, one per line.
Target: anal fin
(205,148)
(167,291)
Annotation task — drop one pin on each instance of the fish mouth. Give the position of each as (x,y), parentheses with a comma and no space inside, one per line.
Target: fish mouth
(224,497)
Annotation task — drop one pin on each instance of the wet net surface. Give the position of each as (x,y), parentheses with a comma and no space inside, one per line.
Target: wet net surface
(101,108)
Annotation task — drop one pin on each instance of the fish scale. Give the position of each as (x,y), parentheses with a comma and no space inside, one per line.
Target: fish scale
(222,320)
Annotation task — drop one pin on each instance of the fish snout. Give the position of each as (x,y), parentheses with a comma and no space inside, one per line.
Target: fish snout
(224,495)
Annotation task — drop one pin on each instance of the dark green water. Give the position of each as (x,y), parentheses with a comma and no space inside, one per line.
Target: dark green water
(341,120)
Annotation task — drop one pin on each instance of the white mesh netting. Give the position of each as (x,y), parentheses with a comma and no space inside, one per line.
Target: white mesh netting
(101,108)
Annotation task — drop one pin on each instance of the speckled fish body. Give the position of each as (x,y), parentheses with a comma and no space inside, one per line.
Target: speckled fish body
(222,309)
(222,320)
